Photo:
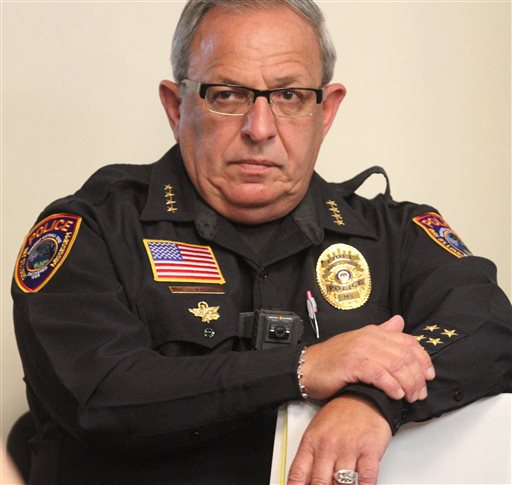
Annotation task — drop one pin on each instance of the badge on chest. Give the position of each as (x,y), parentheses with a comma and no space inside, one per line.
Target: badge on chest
(343,277)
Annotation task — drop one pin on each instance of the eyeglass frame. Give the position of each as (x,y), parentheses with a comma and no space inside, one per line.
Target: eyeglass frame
(201,89)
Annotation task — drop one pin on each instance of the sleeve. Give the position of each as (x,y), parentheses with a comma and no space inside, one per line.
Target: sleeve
(89,362)
(455,309)
(452,304)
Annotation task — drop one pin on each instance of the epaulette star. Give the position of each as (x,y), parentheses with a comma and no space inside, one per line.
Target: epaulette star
(449,333)
(434,341)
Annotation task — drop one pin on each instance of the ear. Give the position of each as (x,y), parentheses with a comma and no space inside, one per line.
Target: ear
(333,96)
(170,98)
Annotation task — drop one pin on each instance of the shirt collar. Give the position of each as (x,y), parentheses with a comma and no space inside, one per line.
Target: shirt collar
(334,212)
(172,197)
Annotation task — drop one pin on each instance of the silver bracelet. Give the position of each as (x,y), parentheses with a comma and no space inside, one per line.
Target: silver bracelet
(302,388)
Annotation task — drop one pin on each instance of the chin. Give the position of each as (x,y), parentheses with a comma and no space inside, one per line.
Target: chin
(251,198)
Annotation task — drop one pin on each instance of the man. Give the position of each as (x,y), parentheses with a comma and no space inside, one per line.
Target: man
(145,302)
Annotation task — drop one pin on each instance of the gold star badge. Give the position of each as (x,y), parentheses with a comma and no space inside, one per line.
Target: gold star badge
(434,341)
(205,312)
(449,333)
(431,328)
(419,338)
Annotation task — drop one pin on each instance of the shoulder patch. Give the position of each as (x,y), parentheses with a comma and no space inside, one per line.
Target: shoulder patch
(44,249)
(439,230)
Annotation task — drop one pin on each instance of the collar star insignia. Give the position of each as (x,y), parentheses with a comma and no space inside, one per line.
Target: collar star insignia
(205,312)
(335,213)
(449,333)
(431,328)
(434,341)
(419,338)
(169,199)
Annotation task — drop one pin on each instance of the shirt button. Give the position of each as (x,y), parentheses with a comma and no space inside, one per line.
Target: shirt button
(264,274)
(457,395)
(209,332)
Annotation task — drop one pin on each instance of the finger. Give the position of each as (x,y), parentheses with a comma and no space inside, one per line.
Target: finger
(394,369)
(417,367)
(300,469)
(368,469)
(323,467)
(422,355)
(376,374)
(406,369)
(395,324)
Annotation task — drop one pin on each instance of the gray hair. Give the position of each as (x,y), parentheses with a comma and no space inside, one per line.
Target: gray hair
(195,10)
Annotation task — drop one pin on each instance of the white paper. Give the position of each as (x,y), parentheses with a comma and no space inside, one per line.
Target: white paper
(469,446)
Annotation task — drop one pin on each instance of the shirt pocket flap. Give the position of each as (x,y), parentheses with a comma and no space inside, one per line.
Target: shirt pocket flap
(204,320)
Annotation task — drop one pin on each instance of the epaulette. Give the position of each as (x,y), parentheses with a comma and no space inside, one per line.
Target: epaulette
(350,186)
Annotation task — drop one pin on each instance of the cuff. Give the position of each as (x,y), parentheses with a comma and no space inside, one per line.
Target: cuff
(393,411)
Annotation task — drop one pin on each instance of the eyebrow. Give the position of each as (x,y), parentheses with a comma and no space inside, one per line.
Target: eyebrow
(282,82)
(285,81)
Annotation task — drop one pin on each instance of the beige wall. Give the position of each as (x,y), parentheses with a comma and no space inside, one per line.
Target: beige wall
(428,98)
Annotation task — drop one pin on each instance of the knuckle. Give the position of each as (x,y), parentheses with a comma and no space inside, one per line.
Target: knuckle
(379,374)
(326,448)
(297,476)
(396,364)
(357,366)
(306,445)
(318,480)
(408,356)
(409,340)
(368,476)
(419,379)
(424,355)
(368,472)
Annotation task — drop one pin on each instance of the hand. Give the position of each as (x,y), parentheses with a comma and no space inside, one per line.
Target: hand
(380,355)
(347,433)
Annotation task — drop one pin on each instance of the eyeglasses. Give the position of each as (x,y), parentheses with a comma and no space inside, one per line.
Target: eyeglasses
(233,100)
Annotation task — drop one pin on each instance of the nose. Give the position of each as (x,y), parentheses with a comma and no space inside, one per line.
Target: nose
(259,122)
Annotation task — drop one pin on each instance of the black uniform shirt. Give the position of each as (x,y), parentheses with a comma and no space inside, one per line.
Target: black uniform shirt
(135,376)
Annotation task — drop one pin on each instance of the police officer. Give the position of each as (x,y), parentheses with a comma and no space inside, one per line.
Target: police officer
(158,310)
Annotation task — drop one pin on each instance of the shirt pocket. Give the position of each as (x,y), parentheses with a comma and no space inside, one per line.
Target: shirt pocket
(190,324)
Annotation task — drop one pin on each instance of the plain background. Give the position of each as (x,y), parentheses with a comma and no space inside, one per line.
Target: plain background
(428,98)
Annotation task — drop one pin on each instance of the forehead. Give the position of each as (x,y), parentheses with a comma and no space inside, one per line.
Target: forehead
(263,46)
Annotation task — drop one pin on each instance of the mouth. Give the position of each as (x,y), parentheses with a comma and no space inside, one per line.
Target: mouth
(255,165)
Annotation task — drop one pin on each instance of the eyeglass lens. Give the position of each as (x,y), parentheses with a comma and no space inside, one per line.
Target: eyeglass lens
(238,101)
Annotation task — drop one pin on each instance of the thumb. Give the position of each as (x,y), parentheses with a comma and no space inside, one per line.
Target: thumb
(394,324)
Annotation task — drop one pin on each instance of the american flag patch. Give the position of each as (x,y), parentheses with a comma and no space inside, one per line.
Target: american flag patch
(181,262)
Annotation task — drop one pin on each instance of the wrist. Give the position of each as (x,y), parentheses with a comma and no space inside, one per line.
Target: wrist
(300,374)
